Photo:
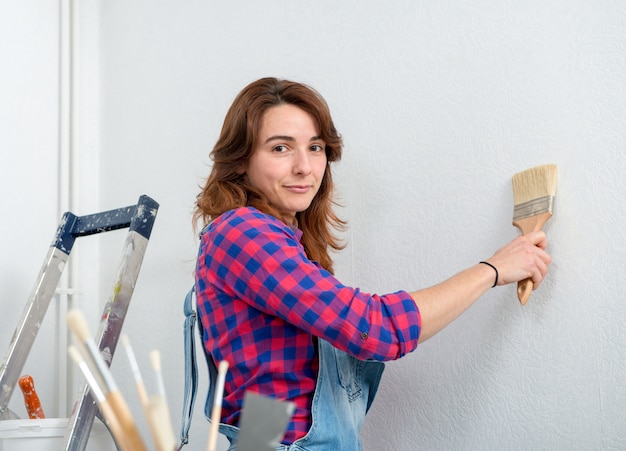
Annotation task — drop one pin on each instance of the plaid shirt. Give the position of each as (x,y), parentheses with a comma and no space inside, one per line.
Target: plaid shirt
(262,301)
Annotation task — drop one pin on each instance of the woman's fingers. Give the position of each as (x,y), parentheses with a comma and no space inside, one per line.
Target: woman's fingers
(542,262)
(523,258)
(537,238)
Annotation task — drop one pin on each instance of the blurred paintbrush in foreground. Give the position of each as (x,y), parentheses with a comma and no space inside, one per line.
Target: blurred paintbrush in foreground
(130,438)
(158,412)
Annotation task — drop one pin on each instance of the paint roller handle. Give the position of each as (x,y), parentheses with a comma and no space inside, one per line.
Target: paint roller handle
(31,399)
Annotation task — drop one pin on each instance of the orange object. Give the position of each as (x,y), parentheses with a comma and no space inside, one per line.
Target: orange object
(31,399)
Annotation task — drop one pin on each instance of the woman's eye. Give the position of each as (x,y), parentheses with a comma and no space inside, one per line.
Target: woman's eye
(280,148)
(317,148)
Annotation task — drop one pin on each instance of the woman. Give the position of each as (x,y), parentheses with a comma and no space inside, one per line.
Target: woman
(267,298)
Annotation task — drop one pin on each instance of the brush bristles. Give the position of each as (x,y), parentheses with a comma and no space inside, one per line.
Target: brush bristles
(78,324)
(155,360)
(534,183)
(74,354)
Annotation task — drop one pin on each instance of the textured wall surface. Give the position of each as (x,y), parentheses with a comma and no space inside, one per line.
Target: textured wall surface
(439,103)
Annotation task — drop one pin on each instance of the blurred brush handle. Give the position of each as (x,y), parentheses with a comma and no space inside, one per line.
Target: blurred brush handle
(113,424)
(527,225)
(123,415)
(158,416)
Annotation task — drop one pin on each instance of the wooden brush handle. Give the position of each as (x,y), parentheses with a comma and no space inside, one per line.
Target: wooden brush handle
(127,424)
(527,225)
(524,288)
(114,425)
(158,415)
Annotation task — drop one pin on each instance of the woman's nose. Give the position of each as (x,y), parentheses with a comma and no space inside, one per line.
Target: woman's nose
(302,162)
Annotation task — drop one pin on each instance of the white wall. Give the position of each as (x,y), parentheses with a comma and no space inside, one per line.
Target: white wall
(29,174)
(439,102)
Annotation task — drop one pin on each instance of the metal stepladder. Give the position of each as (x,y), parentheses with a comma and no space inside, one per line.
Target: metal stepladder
(139,219)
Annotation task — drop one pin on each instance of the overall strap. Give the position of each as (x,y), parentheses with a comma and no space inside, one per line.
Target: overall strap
(191,367)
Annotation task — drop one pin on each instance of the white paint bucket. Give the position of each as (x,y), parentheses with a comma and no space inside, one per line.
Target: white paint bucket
(48,435)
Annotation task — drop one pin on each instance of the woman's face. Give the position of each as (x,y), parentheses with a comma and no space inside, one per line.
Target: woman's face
(288,163)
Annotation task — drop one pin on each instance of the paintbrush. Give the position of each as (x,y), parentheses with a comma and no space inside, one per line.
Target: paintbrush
(156,427)
(132,360)
(107,412)
(158,411)
(217,405)
(77,323)
(158,417)
(533,193)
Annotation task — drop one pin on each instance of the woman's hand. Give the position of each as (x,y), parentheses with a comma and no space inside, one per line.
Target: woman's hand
(523,258)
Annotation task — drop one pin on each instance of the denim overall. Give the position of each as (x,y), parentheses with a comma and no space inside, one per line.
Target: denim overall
(344,392)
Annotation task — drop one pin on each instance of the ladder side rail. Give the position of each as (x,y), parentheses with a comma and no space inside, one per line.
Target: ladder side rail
(35,309)
(110,327)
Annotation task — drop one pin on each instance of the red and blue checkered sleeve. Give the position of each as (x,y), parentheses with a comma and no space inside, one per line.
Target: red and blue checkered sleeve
(258,259)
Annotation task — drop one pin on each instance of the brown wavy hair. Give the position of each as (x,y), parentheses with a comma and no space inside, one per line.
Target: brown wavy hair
(227,186)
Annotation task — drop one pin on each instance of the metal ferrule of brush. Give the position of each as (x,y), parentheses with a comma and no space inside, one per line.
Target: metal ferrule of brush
(533,207)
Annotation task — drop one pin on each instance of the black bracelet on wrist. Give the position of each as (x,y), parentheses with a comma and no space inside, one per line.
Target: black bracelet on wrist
(495,269)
